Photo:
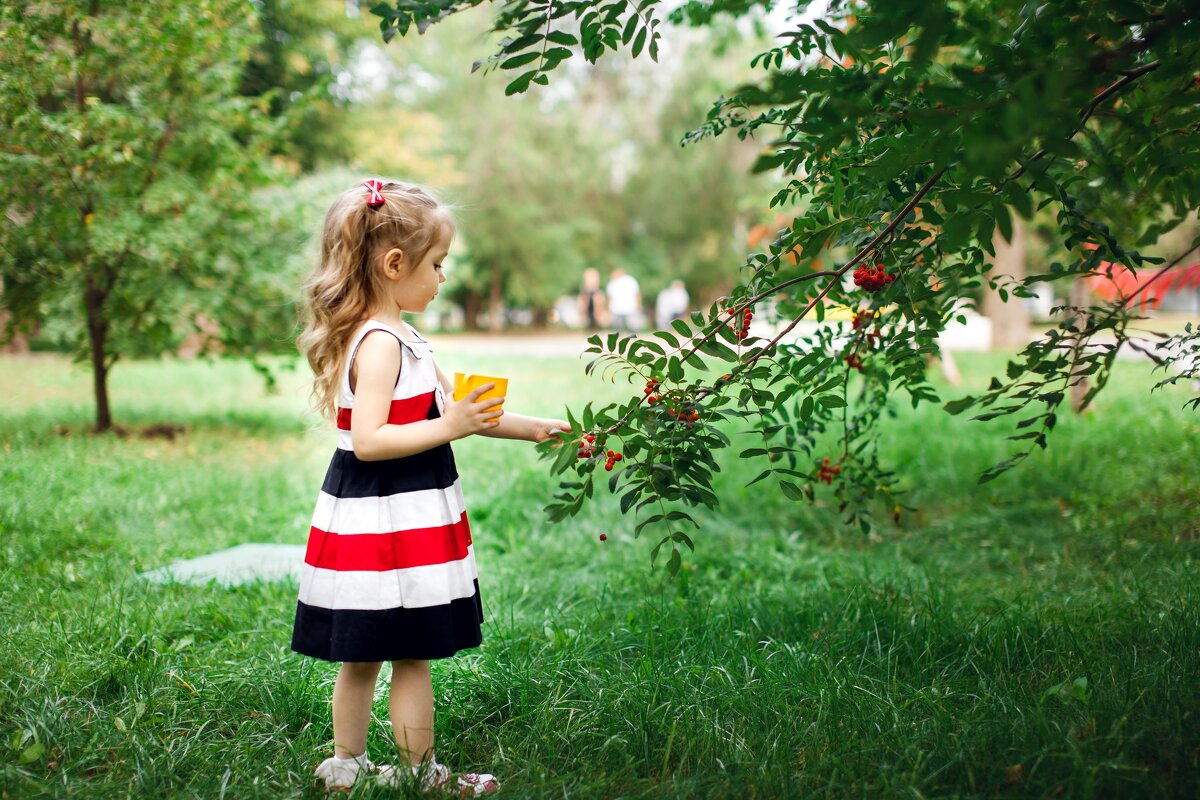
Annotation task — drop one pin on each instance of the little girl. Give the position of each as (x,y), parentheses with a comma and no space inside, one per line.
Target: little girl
(389,574)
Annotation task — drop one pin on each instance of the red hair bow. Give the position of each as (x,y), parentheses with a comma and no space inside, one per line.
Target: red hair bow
(375,199)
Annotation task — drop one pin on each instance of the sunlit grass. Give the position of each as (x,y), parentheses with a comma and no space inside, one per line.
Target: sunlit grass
(1037,635)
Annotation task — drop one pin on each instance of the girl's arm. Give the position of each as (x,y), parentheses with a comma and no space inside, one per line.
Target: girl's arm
(515,426)
(377,364)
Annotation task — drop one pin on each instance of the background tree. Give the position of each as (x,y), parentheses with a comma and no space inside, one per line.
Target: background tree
(304,48)
(954,114)
(127,170)
(587,173)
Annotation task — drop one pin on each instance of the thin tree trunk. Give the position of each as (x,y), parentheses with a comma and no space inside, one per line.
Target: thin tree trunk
(19,343)
(97,325)
(1010,321)
(472,305)
(1078,298)
(494,302)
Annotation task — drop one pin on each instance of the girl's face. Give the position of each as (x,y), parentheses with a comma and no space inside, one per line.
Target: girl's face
(414,290)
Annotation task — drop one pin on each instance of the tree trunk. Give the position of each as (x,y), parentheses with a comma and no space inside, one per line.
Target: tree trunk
(495,323)
(93,301)
(19,343)
(1078,298)
(1010,321)
(472,305)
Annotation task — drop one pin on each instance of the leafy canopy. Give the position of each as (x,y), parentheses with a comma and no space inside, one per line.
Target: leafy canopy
(902,133)
(127,169)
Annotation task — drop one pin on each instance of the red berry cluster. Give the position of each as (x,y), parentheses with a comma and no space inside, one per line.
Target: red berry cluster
(688,416)
(604,537)
(742,330)
(853,361)
(651,387)
(828,473)
(861,319)
(613,457)
(872,279)
(585,447)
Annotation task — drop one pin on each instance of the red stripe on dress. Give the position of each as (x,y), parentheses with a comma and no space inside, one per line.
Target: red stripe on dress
(410,409)
(378,552)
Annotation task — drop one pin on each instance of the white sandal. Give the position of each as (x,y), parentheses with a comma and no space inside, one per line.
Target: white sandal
(474,784)
(341,773)
(429,775)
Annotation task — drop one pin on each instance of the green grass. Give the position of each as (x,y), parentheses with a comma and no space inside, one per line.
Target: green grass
(1034,636)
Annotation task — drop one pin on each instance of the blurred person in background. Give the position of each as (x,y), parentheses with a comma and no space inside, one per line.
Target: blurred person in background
(624,301)
(593,311)
(672,303)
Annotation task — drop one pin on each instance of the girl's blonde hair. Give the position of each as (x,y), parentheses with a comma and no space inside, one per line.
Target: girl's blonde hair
(346,285)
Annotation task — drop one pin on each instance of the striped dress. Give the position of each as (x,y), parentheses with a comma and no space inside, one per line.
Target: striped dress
(390,569)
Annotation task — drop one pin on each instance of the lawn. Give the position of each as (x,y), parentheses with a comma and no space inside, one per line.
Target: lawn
(1036,636)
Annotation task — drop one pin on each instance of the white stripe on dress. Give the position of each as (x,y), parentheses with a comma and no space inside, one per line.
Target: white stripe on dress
(414,587)
(416,372)
(422,508)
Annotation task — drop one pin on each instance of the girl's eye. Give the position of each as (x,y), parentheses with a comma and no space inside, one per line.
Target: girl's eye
(437,266)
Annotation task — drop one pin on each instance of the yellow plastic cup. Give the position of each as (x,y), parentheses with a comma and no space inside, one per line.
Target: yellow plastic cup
(464,384)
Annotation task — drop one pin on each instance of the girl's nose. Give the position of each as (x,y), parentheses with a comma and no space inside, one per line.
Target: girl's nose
(441,277)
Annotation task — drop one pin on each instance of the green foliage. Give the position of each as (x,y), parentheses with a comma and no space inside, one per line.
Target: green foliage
(588,172)
(295,64)
(128,171)
(901,133)
(1182,352)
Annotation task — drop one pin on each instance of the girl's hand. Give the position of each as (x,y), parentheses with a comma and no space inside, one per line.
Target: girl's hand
(472,415)
(546,428)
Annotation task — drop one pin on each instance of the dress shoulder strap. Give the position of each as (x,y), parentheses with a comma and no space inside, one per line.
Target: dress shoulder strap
(367,327)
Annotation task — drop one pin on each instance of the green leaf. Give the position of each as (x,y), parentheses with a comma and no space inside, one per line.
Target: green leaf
(521,84)
(684,539)
(791,490)
(668,338)
(638,43)
(519,61)
(959,406)
(648,521)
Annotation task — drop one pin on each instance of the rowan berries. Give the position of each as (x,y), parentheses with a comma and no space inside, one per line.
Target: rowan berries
(591,437)
(744,330)
(861,318)
(872,279)
(827,473)
(853,361)
(604,537)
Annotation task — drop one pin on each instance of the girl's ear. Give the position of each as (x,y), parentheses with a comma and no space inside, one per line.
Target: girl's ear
(393,263)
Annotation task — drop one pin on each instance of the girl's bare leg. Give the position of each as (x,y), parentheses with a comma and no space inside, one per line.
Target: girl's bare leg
(411,709)
(352,695)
